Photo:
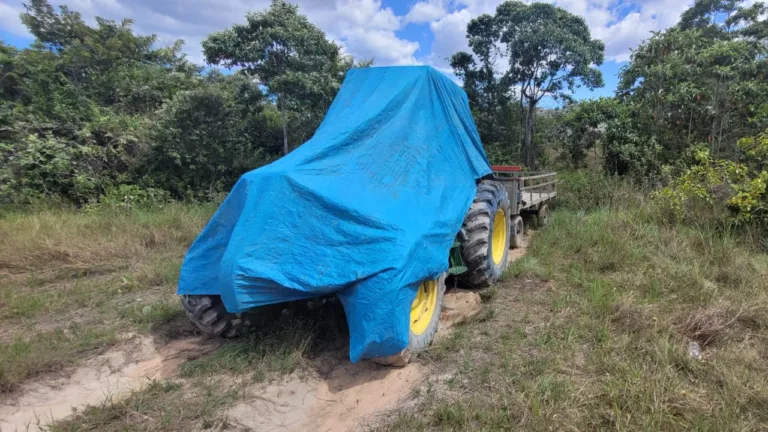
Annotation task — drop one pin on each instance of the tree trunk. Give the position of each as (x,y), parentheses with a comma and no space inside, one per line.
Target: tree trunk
(285,131)
(528,144)
(520,131)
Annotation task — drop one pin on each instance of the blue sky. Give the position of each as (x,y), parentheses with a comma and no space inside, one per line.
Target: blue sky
(392,32)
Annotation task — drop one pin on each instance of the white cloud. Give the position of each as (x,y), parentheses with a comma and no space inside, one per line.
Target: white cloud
(368,28)
(10,21)
(426,11)
(364,28)
(450,37)
(609,20)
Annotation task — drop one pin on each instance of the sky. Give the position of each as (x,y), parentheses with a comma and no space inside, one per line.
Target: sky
(392,32)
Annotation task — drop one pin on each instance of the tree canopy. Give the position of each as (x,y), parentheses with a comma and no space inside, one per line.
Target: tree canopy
(91,109)
(545,50)
(287,54)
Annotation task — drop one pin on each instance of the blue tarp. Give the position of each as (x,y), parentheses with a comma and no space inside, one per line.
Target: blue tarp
(368,208)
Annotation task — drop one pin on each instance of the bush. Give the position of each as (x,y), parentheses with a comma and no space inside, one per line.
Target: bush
(735,190)
(205,139)
(131,196)
(38,167)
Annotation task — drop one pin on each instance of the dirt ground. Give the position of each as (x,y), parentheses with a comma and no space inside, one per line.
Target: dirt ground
(333,395)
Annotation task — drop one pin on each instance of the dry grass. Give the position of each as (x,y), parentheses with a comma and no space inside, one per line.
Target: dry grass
(72,282)
(49,245)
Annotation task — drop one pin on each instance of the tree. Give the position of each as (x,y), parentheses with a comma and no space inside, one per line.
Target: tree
(490,95)
(205,139)
(550,52)
(702,81)
(73,120)
(286,53)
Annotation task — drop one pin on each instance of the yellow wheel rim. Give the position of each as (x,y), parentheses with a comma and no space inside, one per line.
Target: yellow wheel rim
(423,306)
(499,236)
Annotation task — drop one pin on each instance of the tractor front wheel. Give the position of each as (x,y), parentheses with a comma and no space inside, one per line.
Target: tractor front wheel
(424,321)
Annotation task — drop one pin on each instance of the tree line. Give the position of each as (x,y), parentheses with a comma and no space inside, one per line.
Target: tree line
(94,111)
(97,112)
(689,116)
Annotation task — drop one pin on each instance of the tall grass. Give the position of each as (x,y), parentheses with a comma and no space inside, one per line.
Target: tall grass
(68,242)
(73,281)
(592,332)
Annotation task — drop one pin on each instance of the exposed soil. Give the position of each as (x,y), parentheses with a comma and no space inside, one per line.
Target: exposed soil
(118,371)
(349,397)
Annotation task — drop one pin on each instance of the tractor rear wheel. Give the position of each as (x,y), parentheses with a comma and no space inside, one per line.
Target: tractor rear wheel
(208,314)
(485,235)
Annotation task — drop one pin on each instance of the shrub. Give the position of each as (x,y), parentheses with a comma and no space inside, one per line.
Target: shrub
(715,185)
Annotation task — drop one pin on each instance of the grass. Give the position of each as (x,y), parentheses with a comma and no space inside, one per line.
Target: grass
(74,283)
(592,327)
(588,331)
(160,406)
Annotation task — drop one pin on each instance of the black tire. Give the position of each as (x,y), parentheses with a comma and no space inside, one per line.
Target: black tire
(518,233)
(420,342)
(476,235)
(542,216)
(208,314)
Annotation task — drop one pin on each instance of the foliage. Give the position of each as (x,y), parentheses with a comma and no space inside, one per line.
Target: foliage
(73,120)
(128,197)
(739,186)
(702,81)
(205,139)
(88,110)
(287,54)
(585,125)
(549,52)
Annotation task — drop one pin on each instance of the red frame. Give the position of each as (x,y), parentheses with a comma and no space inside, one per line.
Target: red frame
(506,168)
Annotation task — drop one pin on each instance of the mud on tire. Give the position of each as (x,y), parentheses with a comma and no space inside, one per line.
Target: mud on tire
(476,235)
(208,314)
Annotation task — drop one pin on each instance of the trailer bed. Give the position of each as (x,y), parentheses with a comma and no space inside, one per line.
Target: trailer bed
(528,191)
(533,199)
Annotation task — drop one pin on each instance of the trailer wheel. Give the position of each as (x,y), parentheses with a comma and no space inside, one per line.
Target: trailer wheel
(542,216)
(485,234)
(518,233)
(208,314)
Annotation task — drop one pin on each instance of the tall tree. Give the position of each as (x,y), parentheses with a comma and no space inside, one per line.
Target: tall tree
(490,94)
(550,53)
(286,53)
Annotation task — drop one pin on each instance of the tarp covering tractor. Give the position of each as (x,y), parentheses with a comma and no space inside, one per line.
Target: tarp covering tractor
(377,207)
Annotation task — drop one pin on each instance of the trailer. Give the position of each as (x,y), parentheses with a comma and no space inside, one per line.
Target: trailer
(529,193)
